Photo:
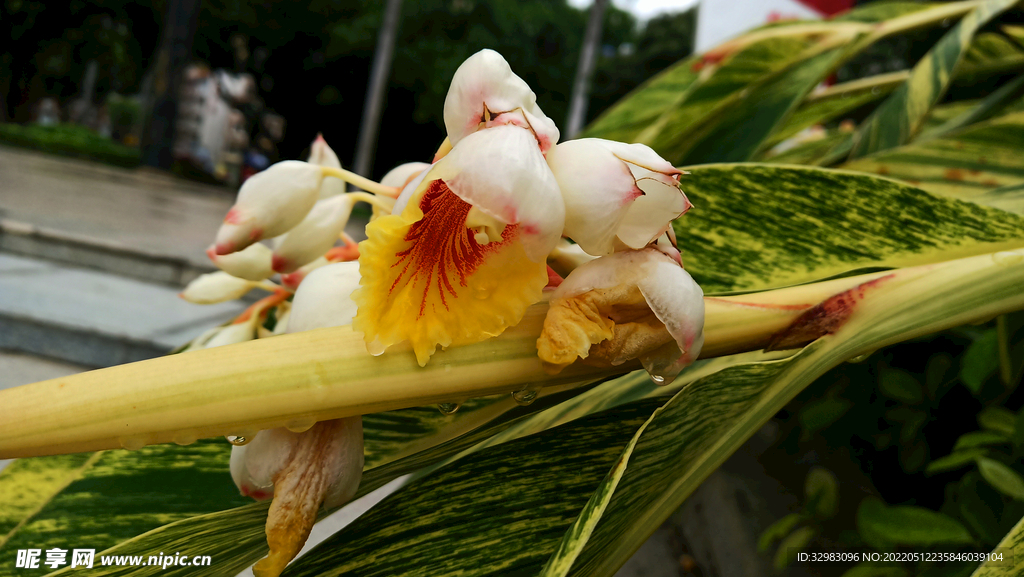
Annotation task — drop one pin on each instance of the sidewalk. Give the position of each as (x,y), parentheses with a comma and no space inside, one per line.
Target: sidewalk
(139,210)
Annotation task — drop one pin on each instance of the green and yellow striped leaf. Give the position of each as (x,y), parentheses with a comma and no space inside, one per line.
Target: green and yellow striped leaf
(836,101)
(1008,198)
(901,116)
(97,500)
(1008,559)
(463,517)
(708,420)
(758,226)
(964,165)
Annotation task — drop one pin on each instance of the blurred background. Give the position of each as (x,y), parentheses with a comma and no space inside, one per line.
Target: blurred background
(126,128)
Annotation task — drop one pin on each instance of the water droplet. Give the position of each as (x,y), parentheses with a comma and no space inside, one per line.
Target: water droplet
(945,22)
(185,437)
(448,408)
(875,90)
(300,425)
(657,379)
(238,440)
(524,397)
(132,443)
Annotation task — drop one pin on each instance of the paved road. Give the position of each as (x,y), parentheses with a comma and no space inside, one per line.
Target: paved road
(138,208)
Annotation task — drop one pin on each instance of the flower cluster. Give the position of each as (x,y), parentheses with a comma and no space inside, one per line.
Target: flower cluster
(456,252)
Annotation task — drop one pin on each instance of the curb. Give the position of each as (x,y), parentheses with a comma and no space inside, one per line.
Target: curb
(88,348)
(37,242)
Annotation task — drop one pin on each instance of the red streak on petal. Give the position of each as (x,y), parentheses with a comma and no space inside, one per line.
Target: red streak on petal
(441,249)
(223,249)
(822,319)
(256,234)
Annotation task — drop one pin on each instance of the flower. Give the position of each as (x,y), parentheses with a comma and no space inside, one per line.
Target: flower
(315,235)
(629,305)
(321,154)
(485,93)
(305,466)
(617,196)
(269,204)
(216,287)
(466,255)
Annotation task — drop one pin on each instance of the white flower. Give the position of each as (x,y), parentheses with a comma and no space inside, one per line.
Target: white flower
(253,263)
(485,93)
(322,155)
(215,287)
(632,304)
(617,196)
(269,204)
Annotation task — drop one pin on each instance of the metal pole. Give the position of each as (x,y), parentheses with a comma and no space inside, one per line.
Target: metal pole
(585,70)
(375,93)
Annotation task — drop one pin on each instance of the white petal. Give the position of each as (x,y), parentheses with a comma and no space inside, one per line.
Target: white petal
(321,154)
(253,263)
(598,189)
(215,287)
(676,300)
(486,81)
(348,463)
(407,191)
(232,334)
(324,298)
(400,176)
(269,204)
(567,257)
(502,172)
(652,214)
(315,235)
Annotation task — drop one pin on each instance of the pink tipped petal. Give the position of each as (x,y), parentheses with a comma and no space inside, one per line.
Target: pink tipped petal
(616,195)
(321,154)
(483,90)
(598,190)
(501,172)
(215,287)
(269,204)
(315,235)
(293,280)
(254,263)
(324,298)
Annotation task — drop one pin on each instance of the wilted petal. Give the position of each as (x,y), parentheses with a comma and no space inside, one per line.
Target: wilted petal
(253,263)
(300,470)
(315,235)
(465,257)
(269,204)
(485,93)
(616,195)
(216,287)
(625,306)
(321,154)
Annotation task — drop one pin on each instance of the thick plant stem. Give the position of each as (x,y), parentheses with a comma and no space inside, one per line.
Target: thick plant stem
(327,373)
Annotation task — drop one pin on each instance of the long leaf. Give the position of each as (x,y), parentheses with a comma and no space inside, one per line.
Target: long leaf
(707,421)
(964,165)
(1007,558)
(761,226)
(900,117)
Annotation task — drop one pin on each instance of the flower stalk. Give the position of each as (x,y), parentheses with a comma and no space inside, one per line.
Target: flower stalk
(326,374)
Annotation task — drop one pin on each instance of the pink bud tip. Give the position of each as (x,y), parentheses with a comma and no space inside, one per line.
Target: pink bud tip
(223,249)
(279,263)
(234,216)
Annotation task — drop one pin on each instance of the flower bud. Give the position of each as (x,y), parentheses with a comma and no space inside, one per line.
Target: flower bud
(253,263)
(315,235)
(215,287)
(617,196)
(269,204)
(321,155)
